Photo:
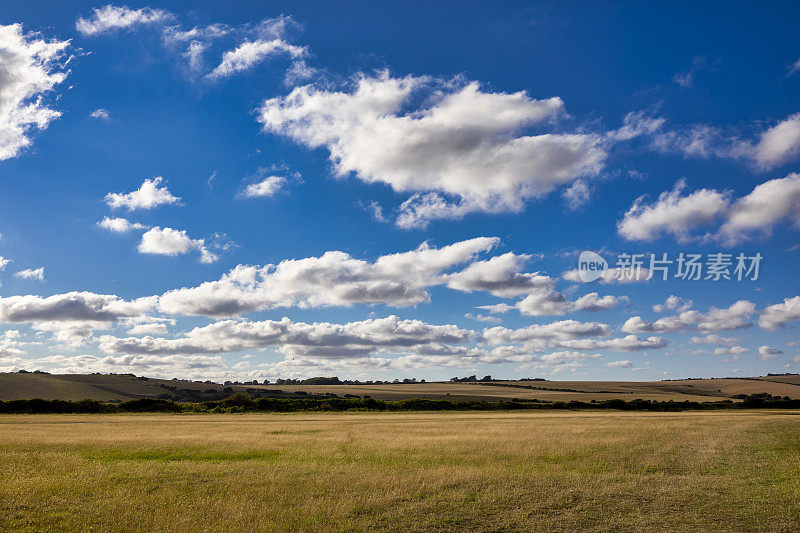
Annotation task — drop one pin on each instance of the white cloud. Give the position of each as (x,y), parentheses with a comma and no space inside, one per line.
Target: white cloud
(736,316)
(748,217)
(333,279)
(501,276)
(318,340)
(72,317)
(577,195)
(111,18)
(168,241)
(635,124)
(267,187)
(148,196)
(560,330)
(31,68)
(757,213)
(674,303)
(299,72)
(119,225)
(565,356)
(4,262)
(775,146)
(713,338)
(619,364)
(9,345)
(465,143)
(497,308)
(779,145)
(151,328)
(483,318)
(736,351)
(250,53)
(631,343)
(100,114)
(778,315)
(181,366)
(543,302)
(672,214)
(31,273)
(767,353)
(595,302)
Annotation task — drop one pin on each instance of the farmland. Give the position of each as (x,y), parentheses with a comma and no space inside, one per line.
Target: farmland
(732,471)
(106,387)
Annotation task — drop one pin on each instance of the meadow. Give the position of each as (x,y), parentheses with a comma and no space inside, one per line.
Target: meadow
(488,471)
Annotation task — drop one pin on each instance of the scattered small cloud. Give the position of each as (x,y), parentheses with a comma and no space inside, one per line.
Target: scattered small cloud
(35,274)
(148,196)
(100,114)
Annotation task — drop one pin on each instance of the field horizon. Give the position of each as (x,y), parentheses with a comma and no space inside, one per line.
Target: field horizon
(123,387)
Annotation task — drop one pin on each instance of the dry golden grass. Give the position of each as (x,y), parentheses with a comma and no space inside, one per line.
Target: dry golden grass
(505,471)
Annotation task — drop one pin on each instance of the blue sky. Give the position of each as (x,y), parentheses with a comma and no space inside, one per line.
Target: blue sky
(385,191)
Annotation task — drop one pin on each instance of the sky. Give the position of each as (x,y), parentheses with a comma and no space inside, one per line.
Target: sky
(249,190)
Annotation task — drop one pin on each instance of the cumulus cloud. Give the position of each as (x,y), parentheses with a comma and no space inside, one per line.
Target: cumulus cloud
(250,53)
(168,241)
(672,214)
(560,330)
(778,315)
(72,316)
(36,274)
(543,302)
(753,215)
(4,262)
(595,302)
(465,143)
(500,275)
(619,364)
(31,68)
(674,303)
(631,343)
(767,353)
(736,316)
(565,356)
(148,196)
(266,187)
(112,18)
(72,306)
(778,145)
(317,340)
(333,279)
(182,366)
(119,225)
(760,211)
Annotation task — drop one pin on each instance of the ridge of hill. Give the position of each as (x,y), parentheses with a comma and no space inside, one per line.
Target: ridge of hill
(121,387)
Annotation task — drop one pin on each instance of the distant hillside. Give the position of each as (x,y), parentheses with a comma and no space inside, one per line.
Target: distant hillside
(126,387)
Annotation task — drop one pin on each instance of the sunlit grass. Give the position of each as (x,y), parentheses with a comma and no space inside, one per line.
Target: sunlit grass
(722,471)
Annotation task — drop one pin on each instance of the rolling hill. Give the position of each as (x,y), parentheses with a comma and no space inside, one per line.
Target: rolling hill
(112,387)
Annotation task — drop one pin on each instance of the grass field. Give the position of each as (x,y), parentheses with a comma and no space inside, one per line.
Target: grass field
(603,471)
